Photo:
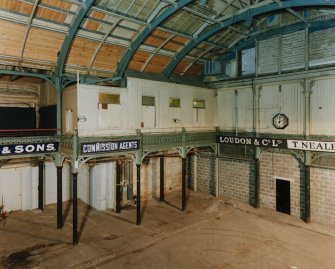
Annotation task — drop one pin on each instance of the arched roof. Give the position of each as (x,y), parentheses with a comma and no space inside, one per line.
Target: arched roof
(105,38)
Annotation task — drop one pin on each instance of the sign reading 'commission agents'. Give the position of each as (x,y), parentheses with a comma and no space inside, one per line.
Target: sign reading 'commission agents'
(110,146)
(33,148)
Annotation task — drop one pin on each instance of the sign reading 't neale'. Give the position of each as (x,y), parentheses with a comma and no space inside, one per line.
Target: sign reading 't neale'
(324,146)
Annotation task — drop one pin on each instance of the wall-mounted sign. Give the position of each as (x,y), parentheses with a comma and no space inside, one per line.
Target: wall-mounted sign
(248,141)
(323,146)
(110,146)
(33,148)
(311,145)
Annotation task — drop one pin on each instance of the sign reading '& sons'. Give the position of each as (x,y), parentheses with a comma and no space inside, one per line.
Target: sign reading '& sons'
(33,148)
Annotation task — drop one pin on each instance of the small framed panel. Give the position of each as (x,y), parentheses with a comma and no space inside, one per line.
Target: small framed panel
(148,100)
(199,104)
(174,102)
(107,98)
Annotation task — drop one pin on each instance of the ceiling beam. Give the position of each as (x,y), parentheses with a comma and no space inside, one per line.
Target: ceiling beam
(145,33)
(32,14)
(64,51)
(293,12)
(26,74)
(243,16)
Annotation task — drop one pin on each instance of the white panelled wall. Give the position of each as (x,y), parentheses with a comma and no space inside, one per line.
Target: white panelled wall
(19,186)
(96,184)
(124,118)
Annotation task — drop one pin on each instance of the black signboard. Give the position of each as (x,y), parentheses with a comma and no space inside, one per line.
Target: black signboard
(33,148)
(250,141)
(109,146)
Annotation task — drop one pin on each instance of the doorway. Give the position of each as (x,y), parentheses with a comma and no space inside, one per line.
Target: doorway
(283,196)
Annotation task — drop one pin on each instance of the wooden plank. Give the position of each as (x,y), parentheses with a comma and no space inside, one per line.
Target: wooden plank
(81,51)
(157,64)
(92,25)
(16,6)
(138,60)
(108,57)
(51,15)
(195,69)
(11,38)
(43,45)
(183,64)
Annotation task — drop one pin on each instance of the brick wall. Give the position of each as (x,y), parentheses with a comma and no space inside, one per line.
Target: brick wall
(206,173)
(190,171)
(281,166)
(235,177)
(322,195)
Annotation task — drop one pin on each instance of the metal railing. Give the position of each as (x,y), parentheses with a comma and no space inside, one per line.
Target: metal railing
(28,132)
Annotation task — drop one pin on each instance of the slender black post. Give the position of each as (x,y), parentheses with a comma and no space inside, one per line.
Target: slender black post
(75,208)
(40,184)
(307,193)
(138,195)
(161,185)
(59,198)
(118,186)
(257,183)
(183,184)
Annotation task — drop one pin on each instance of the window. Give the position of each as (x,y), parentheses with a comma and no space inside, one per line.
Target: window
(148,101)
(107,98)
(199,104)
(174,102)
(248,62)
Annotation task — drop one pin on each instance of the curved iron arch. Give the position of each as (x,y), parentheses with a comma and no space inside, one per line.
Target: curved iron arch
(245,16)
(145,33)
(64,51)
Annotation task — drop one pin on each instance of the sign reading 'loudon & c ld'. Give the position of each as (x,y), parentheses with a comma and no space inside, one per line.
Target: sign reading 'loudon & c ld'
(324,146)
(109,146)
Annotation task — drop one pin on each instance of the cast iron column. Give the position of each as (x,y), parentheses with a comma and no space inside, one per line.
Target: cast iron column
(40,184)
(138,195)
(161,185)
(75,208)
(183,184)
(307,194)
(118,186)
(59,198)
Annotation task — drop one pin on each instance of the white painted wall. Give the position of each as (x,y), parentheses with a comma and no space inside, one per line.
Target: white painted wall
(322,107)
(19,185)
(131,115)
(96,185)
(273,98)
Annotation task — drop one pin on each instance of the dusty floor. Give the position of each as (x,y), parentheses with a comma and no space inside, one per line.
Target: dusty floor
(212,233)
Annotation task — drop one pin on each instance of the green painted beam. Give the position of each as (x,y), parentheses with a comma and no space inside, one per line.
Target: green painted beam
(27,74)
(70,36)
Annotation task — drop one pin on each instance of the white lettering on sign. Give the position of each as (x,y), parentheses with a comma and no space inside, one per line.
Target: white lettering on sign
(311,145)
(109,146)
(28,148)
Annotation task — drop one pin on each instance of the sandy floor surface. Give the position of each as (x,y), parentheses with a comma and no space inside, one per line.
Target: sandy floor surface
(212,233)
